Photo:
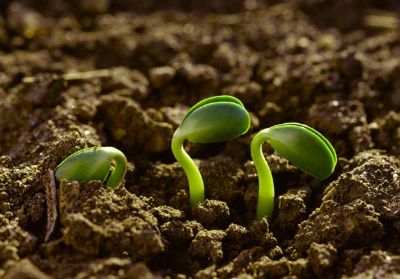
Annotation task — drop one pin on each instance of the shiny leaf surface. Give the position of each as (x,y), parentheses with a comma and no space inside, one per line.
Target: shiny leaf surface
(304,147)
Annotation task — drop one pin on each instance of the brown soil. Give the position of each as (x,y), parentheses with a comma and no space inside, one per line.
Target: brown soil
(77,73)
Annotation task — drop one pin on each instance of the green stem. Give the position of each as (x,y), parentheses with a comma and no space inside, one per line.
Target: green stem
(117,175)
(266,192)
(196,185)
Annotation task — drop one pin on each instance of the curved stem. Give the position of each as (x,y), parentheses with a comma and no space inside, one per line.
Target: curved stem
(196,185)
(266,192)
(118,173)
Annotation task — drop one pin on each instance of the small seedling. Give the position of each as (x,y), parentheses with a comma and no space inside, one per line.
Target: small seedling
(301,145)
(106,164)
(214,119)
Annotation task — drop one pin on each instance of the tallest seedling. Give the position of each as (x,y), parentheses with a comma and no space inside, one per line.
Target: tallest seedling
(214,119)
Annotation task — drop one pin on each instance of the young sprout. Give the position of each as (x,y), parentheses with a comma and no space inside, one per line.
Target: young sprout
(301,145)
(106,164)
(214,119)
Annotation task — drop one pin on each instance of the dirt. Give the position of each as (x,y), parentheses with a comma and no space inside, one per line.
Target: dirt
(76,74)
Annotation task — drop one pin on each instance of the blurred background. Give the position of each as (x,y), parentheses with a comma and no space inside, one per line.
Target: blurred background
(345,15)
(286,60)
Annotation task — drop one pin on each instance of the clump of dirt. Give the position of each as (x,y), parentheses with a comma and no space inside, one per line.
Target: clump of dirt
(124,118)
(375,263)
(343,226)
(344,120)
(127,228)
(75,74)
(292,209)
(386,133)
(16,243)
(212,213)
(322,258)
(372,177)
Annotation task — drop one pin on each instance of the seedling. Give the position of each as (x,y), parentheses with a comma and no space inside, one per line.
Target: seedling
(214,119)
(106,164)
(301,145)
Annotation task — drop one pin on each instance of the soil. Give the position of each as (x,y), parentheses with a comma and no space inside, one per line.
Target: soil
(75,74)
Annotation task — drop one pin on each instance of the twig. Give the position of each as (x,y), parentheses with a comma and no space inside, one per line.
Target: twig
(74,76)
(51,199)
(382,19)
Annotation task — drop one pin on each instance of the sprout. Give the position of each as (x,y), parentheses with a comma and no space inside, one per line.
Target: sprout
(214,119)
(106,164)
(301,145)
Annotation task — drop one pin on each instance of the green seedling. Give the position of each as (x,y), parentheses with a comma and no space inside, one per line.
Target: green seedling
(301,145)
(214,119)
(106,164)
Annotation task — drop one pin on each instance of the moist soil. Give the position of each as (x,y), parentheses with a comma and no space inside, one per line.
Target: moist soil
(76,74)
